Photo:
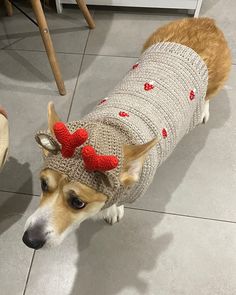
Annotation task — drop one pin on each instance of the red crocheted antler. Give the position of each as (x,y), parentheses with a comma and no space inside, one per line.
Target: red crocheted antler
(94,162)
(69,141)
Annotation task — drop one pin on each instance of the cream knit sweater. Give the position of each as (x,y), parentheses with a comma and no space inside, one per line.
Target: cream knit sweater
(161,97)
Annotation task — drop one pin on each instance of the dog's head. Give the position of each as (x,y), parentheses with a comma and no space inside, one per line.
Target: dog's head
(66,202)
(4,137)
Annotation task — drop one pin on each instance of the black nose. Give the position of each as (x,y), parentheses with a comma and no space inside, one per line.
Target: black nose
(33,241)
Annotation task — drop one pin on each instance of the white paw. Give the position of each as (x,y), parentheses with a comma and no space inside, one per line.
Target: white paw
(113,214)
(205,113)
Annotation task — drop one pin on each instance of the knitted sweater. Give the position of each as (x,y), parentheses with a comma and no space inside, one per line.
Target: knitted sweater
(161,97)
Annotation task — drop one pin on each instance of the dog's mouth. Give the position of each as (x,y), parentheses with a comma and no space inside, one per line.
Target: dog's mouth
(40,234)
(38,240)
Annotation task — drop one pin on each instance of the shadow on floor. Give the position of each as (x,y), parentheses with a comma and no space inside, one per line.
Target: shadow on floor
(13,204)
(118,255)
(16,177)
(170,175)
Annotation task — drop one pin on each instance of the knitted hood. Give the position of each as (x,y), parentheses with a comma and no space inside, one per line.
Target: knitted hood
(106,140)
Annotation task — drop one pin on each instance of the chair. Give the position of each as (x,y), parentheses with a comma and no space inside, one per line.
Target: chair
(44,31)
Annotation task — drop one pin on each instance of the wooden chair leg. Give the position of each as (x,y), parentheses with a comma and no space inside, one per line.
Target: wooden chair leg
(83,7)
(9,8)
(44,31)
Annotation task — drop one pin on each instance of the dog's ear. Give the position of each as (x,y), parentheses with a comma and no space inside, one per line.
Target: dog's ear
(47,142)
(134,157)
(52,117)
(46,139)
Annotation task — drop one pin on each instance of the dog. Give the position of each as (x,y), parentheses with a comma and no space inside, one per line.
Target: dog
(94,166)
(4,137)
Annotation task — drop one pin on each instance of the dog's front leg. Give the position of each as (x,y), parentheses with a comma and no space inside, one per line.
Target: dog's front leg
(113,214)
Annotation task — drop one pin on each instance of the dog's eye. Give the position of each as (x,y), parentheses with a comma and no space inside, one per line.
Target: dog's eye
(75,202)
(44,185)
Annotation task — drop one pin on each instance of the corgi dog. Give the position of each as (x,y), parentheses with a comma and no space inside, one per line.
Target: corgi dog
(4,137)
(93,166)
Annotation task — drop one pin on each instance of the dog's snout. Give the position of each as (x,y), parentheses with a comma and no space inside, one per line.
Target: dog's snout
(34,237)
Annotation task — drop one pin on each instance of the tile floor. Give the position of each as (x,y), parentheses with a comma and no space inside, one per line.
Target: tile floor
(180,239)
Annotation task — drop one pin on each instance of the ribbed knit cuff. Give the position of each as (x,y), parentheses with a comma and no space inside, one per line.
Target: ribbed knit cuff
(182,52)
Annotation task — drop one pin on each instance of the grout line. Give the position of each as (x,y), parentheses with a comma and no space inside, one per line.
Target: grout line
(39,50)
(183,215)
(107,55)
(76,83)
(19,193)
(6,48)
(71,53)
(28,275)
(61,52)
(14,42)
(141,209)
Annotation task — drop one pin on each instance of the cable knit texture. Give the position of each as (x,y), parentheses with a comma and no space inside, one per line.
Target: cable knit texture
(162,97)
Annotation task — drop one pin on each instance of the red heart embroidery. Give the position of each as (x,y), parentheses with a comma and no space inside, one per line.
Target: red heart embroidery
(164,133)
(95,162)
(68,141)
(148,86)
(191,95)
(135,65)
(123,114)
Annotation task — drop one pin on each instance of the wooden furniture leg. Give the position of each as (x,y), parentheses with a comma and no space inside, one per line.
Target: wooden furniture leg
(44,31)
(83,7)
(9,8)
(198,7)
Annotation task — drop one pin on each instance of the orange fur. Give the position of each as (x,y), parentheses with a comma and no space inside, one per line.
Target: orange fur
(59,186)
(203,36)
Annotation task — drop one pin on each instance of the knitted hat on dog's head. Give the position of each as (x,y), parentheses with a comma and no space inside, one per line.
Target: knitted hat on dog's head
(88,152)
